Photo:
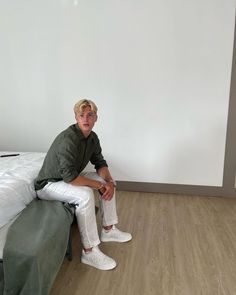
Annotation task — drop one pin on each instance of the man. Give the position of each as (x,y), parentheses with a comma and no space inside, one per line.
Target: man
(62,178)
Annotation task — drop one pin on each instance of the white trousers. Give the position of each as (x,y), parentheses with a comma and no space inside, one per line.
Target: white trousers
(83,199)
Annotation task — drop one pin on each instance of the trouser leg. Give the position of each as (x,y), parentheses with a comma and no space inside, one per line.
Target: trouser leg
(107,208)
(83,199)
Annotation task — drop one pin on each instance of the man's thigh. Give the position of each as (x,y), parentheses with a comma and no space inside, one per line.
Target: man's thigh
(65,192)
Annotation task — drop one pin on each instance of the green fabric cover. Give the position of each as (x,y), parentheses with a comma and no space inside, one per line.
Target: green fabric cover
(35,247)
(1,278)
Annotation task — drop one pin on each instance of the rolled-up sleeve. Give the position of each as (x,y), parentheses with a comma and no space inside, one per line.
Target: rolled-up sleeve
(97,158)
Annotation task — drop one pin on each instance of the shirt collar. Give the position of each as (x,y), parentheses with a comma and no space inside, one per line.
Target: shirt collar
(81,135)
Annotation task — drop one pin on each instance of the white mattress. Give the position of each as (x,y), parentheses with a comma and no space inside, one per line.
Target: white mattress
(16,183)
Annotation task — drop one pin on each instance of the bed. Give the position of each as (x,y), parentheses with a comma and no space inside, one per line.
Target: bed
(31,230)
(16,183)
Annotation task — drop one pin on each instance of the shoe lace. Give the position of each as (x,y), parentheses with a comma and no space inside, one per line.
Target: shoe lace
(98,256)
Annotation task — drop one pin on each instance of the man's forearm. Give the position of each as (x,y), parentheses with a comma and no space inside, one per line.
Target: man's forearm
(105,174)
(95,184)
(84,181)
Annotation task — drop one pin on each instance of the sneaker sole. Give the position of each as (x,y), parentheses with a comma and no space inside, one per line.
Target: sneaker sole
(101,267)
(114,240)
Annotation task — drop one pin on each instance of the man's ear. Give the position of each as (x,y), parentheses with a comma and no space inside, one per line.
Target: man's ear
(96,118)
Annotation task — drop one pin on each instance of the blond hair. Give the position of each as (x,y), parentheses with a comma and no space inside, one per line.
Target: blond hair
(81,104)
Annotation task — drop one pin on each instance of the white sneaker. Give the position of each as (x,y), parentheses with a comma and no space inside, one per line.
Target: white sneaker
(115,235)
(98,259)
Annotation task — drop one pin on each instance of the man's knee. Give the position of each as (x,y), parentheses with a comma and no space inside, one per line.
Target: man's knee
(88,199)
(95,176)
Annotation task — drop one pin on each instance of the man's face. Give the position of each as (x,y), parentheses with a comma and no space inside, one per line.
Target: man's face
(86,120)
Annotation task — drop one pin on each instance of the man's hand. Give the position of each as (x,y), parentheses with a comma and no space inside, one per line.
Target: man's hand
(107,191)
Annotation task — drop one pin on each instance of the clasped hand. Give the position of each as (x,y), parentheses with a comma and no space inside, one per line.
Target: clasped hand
(107,191)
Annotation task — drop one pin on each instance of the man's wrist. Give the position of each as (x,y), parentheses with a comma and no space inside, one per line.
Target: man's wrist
(100,187)
(112,181)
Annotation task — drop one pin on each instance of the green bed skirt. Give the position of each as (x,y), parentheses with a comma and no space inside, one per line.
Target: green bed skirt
(35,248)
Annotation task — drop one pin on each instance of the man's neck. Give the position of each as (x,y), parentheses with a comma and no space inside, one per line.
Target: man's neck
(86,134)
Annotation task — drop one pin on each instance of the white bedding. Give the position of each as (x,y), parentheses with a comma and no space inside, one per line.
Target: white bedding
(16,183)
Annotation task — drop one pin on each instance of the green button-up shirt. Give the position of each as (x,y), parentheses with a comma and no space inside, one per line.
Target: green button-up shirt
(68,155)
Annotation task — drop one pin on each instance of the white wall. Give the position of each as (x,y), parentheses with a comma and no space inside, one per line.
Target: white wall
(159,71)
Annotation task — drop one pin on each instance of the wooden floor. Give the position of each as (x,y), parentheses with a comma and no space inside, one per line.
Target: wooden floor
(181,245)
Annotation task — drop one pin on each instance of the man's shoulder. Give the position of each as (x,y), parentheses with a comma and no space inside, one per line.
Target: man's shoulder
(63,138)
(68,132)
